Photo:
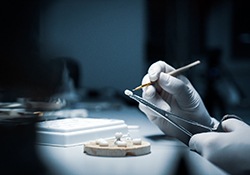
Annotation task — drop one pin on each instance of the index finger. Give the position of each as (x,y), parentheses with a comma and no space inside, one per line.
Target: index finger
(156,68)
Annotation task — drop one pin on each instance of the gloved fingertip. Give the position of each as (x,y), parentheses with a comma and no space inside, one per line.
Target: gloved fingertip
(153,72)
(231,124)
(191,144)
(149,92)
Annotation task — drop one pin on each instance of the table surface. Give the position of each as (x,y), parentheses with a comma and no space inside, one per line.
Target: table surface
(168,155)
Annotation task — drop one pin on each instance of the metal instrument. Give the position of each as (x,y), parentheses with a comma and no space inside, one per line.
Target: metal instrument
(183,125)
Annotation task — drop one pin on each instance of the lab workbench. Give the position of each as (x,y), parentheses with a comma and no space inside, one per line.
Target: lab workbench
(167,156)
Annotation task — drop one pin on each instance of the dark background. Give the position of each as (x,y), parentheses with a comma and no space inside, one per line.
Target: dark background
(107,46)
(113,43)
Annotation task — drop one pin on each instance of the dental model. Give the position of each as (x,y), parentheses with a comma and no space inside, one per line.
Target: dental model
(119,146)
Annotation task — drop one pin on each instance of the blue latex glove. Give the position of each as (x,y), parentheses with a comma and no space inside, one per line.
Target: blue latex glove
(229,150)
(173,94)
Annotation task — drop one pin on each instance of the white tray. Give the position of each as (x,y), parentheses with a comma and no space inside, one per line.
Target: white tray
(75,131)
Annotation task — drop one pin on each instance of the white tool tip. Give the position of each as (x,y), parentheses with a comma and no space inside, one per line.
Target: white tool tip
(128,92)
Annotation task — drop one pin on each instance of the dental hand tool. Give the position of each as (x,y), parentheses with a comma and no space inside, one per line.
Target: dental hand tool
(179,122)
(173,73)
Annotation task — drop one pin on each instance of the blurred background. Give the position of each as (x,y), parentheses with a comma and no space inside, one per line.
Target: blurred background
(100,48)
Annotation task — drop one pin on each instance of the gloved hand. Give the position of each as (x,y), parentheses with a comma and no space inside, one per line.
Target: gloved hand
(174,94)
(229,150)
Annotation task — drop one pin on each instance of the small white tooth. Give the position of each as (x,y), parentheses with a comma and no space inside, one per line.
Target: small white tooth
(128,92)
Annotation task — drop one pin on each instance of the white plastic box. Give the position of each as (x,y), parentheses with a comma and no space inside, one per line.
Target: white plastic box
(75,131)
